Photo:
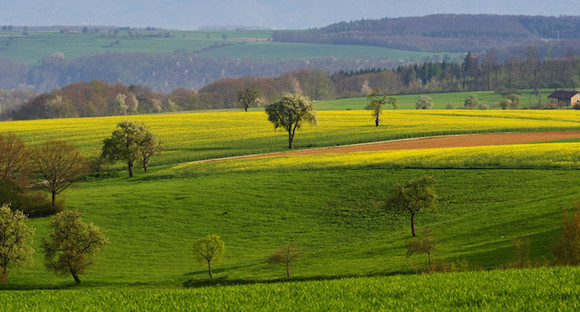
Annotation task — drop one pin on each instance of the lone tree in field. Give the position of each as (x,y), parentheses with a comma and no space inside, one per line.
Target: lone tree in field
(376,102)
(249,97)
(15,240)
(208,249)
(130,142)
(425,243)
(290,112)
(286,255)
(424,102)
(71,244)
(413,196)
(60,164)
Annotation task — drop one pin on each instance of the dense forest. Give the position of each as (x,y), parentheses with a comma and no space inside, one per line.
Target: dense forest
(476,73)
(508,34)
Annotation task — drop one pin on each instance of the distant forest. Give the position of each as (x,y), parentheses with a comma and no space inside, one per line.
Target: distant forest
(508,34)
(476,73)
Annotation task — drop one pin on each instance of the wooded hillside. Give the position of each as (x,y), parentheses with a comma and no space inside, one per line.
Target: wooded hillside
(448,32)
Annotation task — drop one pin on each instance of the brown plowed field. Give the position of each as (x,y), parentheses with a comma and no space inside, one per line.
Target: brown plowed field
(432,142)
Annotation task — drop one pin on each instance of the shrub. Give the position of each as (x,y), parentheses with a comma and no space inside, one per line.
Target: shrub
(566,247)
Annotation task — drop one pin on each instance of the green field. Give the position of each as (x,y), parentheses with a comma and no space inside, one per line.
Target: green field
(440,100)
(237,44)
(515,290)
(353,250)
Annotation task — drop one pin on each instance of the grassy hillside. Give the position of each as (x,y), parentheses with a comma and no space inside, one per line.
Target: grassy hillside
(237,44)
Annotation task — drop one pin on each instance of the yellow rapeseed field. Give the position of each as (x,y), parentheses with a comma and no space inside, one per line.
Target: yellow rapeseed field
(540,156)
(193,136)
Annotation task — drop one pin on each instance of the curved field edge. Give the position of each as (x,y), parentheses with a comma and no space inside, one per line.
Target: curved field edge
(516,156)
(523,290)
(197,136)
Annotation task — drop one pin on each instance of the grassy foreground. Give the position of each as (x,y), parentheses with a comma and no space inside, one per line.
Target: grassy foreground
(546,289)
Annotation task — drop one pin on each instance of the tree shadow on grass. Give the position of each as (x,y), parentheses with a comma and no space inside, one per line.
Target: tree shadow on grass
(224,281)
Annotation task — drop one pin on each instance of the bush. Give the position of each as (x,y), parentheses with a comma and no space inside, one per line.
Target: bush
(36,205)
(566,247)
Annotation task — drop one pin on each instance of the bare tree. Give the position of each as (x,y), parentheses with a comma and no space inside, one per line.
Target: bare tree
(60,164)
(286,255)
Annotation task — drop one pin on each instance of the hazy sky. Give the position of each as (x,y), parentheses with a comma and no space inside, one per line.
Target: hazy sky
(279,14)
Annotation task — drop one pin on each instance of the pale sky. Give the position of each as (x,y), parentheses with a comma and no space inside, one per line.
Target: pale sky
(278,14)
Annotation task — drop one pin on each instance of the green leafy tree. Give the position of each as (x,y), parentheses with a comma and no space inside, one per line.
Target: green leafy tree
(130,142)
(286,255)
(72,244)
(425,243)
(60,164)
(471,102)
(376,102)
(15,240)
(249,97)
(413,196)
(289,113)
(208,249)
(424,102)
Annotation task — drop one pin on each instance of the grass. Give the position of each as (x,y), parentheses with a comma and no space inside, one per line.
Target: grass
(547,289)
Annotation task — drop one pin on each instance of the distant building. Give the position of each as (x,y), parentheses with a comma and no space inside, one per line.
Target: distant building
(564,98)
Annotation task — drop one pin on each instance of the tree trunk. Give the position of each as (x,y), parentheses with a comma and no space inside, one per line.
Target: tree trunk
(413,224)
(377,122)
(288,269)
(290,139)
(209,269)
(130,167)
(145,166)
(246,108)
(429,254)
(53,199)
(75,276)
(3,274)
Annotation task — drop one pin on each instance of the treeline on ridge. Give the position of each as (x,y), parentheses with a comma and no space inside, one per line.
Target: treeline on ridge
(475,73)
(449,32)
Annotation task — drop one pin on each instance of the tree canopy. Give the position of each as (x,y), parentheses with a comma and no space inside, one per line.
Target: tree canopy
(15,240)
(208,249)
(290,112)
(249,97)
(71,244)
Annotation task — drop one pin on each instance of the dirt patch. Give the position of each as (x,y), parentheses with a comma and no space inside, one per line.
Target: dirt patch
(430,142)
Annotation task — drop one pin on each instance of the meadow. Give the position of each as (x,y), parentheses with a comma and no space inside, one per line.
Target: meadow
(331,206)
